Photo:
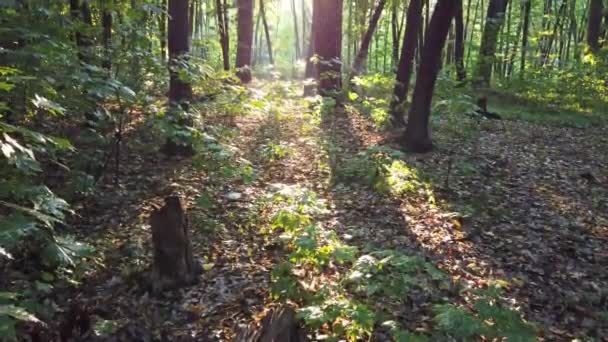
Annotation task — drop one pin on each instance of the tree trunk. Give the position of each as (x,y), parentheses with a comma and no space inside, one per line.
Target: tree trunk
(106,23)
(328,44)
(594,25)
(266,32)
(162,30)
(80,12)
(179,90)
(174,264)
(459,43)
(245,39)
(405,67)
(494,20)
(222,24)
(278,325)
(417,137)
(295,28)
(395,36)
(524,37)
(364,47)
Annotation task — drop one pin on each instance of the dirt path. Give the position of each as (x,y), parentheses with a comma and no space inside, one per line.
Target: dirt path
(533,224)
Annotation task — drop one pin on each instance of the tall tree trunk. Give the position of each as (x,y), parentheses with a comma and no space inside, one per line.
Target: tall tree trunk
(394,35)
(179,90)
(524,37)
(470,44)
(572,30)
(245,39)
(328,45)
(162,30)
(304,20)
(257,40)
(594,25)
(266,32)
(295,28)
(417,137)
(459,43)
(494,20)
(106,23)
(80,12)
(222,24)
(364,47)
(405,67)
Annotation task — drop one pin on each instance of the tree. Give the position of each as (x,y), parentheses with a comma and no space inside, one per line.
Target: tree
(524,38)
(245,39)
(406,61)
(594,25)
(178,41)
(367,37)
(459,43)
(221,11)
(328,43)
(266,32)
(417,136)
(494,20)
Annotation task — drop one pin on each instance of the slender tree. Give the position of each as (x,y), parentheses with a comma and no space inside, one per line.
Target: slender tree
(162,31)
(459,43)
(417,136)
(594,25)
(266,32)
(295,28)
(245,39)
(494,20)
(527,8)
(367,37)
(222,23)
(406,61)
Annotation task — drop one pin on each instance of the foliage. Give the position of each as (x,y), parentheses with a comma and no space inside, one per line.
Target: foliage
(490,319)
(383,169)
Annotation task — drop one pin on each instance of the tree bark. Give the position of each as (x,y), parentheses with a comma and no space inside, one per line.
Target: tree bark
(106,23)
(367,37)
(295,28)
(417,136)
(594,25)
(524,37)
(222,23)
(266,32)
(404,69)
(174,263)
(328,45)
(459,43)
(179,90)
(494,20)
(162,30)
(245,39)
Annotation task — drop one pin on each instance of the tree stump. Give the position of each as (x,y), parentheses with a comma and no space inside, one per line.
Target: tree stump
(279,325)
(174,265)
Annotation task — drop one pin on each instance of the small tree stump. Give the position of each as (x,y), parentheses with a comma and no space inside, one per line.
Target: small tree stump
(279,325)
(174,265)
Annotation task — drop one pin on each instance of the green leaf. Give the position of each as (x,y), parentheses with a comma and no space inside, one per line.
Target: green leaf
(18,313)
(7,328)
(105,327)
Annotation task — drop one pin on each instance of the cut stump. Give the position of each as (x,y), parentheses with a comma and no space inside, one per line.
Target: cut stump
(279,325)
(174,265)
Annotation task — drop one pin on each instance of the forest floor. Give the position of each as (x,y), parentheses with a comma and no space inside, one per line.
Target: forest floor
(525,207)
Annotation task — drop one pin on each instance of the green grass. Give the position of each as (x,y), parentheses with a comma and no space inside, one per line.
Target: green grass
(511,108)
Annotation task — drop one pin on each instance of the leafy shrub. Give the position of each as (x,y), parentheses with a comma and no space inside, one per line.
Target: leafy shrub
(489,318)
(382,169)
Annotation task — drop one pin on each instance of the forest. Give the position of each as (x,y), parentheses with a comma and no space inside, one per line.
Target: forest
(304,170)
